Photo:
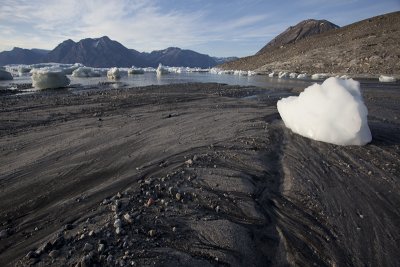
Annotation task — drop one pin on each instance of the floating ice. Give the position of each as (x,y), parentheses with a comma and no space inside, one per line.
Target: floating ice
(85,72)
(283,74)
(5,75)
(271,74)
(386,79)
(161,70)
(319,76)
(47,78)
(302,76)
(134,70)
(332,112)
(293,75)
(113,74)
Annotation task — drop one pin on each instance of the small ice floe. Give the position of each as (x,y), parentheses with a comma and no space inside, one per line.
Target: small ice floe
(69,68)
(113,74)
(49,78)
(283,74)
(387,79)
(333,112)
(293,75)
(319,76)
(23,69)
(161,70)
(85,72)
(251,73)
(135,70)
(5,75)
(272,74)
(302,76)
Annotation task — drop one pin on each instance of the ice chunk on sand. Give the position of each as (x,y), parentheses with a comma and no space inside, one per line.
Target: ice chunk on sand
(283,74)
(293,75)
(85,72)
(113,74)
(302,76)
(47,78)
(5,75)
(134,70)
(271,74)
(332,112)
(386,79)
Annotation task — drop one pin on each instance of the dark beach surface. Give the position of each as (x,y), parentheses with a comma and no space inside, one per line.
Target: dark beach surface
(192,175)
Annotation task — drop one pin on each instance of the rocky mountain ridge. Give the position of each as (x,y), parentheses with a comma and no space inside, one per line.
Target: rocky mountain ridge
(104,52)
(369,47)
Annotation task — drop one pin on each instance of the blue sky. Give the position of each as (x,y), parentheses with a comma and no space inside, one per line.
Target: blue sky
(217,28)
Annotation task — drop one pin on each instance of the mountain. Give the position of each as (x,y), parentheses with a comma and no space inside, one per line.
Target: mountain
(174,56)
(302,30)
(369,47)
(97,52)
(222,60)
(22,56)
(104,52)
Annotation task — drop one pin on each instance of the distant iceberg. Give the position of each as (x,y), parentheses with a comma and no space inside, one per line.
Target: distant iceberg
(332,112)
(48,78)
(387,79)
(161,70)
(85,72)
(113,74)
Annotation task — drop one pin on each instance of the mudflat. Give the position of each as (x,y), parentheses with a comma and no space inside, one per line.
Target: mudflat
(192,175)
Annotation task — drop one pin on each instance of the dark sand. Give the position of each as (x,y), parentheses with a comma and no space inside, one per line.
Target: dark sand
(251,193)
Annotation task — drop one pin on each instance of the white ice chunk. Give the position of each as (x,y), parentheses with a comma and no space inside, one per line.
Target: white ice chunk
(271,74)
(332,112)
(319,76)
(302,76)
(85,72)
(5,75)
(386,79)
(283,74)
(47,78)
(113,74)
(293,75)
(161,70)
(134,70)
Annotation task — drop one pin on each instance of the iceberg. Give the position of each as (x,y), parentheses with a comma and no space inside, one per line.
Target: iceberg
(293,75)
(387,79)
(85,72)
(161,70)
(302,76)
(48,78)
(134,70)
(5,75)
(113,74)
(319,76)
(333,112)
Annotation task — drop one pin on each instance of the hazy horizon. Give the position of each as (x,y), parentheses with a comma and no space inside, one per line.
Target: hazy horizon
(223,28)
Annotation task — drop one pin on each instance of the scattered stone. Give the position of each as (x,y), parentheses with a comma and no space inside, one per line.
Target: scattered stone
(174,229)
(178,196)
(150,202)
(91,233)
(31,254)
(189,162)
(109,259)
(43,248)
(195,158)
(101,248)
(117,223)
(217,208)
(152,232)
(3,234)
(54,254)
(127,218)
(118,230)
(87,247)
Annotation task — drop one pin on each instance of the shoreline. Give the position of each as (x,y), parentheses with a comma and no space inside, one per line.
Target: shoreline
(196,174)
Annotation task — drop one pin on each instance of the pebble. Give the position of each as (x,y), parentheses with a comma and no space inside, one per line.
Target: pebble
(54,254)
(178,196)
(31,254)
(87,247)
(109,259)
(217,208)
(118,230)
(117,223)
(128,218)
(173,229)
(152,232)
(150,202)
(3,234)
(91,233)
(101,247)
(189,162)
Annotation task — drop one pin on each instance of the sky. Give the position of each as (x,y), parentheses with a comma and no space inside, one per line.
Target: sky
(215,27)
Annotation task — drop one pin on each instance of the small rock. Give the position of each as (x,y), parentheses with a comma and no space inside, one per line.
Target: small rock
(152,232)
(178,196)
(217,208)
(109,259)
(150,202)
(118,230)
(189,162)
(101,248)
(3,234)
(87,247)
(195,158)
(117,223)
(31,254)
(54,254)
(127,218)
(174,229)
(91,233)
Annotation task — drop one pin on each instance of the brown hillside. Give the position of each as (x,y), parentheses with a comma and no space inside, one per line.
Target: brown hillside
(368,47)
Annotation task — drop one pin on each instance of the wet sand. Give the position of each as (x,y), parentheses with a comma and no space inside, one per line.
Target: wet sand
(192,175)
